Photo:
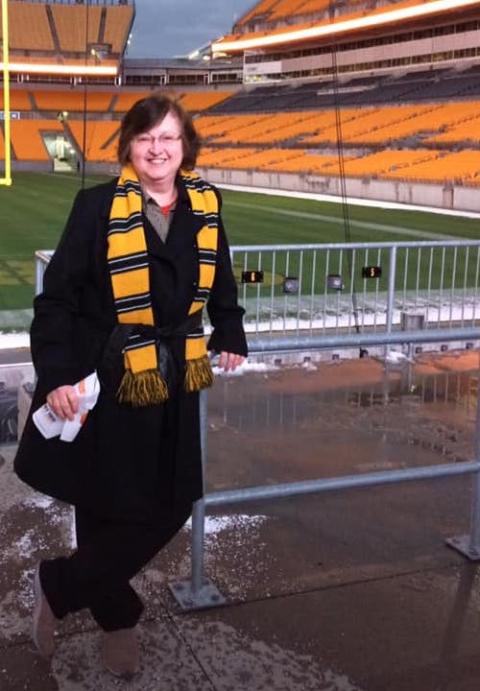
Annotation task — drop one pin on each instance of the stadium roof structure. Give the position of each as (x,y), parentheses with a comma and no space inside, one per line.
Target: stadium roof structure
(405,11)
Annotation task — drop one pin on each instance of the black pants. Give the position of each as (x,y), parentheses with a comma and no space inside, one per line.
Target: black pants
(96,576)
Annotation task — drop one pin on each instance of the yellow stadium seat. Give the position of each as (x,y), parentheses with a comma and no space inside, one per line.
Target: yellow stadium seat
(201,100)
(126,100)
(19,100)
(117,26)
(71,25)
(28,27)
(229,139)
(73,100)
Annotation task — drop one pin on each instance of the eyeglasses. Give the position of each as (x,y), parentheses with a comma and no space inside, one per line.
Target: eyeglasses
(165,139)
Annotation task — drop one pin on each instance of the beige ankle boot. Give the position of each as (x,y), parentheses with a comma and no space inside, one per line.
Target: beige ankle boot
(44,621)
(121,652)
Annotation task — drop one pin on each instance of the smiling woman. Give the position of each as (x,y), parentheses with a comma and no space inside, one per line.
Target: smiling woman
(123,295)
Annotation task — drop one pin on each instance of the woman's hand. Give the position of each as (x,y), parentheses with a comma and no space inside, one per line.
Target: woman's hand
(63,401)
(229,361)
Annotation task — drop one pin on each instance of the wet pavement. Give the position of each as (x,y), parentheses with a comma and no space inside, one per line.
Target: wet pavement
(341,591)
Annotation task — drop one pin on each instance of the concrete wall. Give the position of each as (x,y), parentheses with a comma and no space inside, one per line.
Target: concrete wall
(444,197)
(47,167)
(420,194)
(32,166)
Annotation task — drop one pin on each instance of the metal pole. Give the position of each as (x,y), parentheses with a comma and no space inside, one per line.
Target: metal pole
(391,292)
(198,536)
(84,137)
(295,343)
(198,592)
(7,179)
(39,271)
(469,545)
(198,514)
(384,477)
(474,545)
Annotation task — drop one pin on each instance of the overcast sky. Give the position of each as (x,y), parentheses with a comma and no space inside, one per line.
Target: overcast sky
(168,28)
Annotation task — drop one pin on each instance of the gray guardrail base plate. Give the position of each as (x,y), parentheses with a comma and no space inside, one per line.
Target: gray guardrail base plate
(462,544)
(207,596)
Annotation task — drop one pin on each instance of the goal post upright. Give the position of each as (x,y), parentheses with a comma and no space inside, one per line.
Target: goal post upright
(7,179)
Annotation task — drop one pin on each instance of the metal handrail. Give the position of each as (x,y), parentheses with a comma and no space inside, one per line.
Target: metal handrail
(199,592)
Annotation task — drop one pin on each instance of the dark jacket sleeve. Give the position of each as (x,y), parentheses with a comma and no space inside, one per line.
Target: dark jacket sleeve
(57,307)
(223,309)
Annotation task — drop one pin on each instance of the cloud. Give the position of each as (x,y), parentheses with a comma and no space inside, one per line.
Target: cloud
(176,27)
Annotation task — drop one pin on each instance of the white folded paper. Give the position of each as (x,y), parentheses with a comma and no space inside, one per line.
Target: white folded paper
(50,425)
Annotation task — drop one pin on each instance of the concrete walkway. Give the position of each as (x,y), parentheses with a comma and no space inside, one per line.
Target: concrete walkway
(347,591)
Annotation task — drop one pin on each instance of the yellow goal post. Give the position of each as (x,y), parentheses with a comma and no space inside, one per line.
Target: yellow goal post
(7,178)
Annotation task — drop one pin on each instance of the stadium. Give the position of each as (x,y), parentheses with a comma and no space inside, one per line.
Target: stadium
(344,137)
(402,76)
(337,99)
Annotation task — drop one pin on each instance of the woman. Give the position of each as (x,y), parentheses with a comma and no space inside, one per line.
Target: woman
(123,295)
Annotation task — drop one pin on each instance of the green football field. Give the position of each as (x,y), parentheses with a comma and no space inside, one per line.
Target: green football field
(33,212)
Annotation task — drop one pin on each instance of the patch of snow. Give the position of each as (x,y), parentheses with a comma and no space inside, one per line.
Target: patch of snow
(40,501)
(214,525)
(245,367)
(26,545)
(14,340)
(396,357)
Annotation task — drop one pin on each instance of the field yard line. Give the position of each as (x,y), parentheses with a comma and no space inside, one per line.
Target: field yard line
(354,201)
(394,230)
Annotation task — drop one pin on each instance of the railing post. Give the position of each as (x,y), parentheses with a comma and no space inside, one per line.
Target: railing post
(469,545)
(39,271)
(474,544)
(392,268)
(198,539)
(198,513)
(198,592)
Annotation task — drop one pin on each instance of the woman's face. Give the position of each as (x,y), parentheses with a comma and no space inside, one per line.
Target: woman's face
(157,153)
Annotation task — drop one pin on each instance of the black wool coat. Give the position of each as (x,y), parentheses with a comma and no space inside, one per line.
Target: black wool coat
(132,464)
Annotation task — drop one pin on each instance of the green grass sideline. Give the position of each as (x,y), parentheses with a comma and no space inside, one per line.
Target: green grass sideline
(33,213)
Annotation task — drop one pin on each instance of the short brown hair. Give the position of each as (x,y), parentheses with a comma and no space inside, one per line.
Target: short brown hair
(145,114)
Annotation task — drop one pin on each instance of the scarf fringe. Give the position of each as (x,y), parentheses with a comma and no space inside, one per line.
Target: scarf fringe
(198,374)
(143,388)
(149,387)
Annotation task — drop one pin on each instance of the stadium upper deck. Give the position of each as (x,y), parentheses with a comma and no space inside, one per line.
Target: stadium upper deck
(67,37)
(269,10)
(272,12)
(388,36)
(408,94)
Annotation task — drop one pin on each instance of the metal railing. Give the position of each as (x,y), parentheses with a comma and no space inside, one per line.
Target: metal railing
(376,284)
(438,281)
(199,592)
(446,285)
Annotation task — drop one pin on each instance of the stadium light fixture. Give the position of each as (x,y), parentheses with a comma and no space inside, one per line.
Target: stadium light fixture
(291,285)
(7,179)
(335,282)
(419,11)
(77,70)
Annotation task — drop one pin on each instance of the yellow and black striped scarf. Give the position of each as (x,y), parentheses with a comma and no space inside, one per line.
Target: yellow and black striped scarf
(142,383)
